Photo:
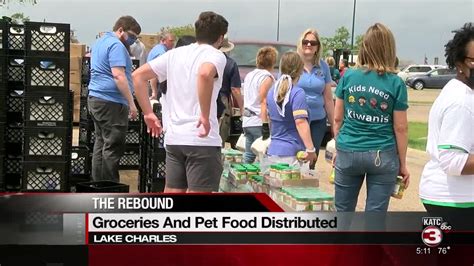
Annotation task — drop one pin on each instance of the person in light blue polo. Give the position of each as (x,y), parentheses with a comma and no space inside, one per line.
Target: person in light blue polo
(110,98)
(167,42)
(316,83)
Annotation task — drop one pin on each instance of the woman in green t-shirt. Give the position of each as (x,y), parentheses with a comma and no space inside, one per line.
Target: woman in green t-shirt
(371,125)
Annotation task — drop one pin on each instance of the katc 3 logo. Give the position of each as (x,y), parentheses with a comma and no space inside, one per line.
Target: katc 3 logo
(432,236)
(434,228)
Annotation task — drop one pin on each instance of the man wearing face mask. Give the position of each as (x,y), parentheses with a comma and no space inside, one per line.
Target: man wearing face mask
(110,96)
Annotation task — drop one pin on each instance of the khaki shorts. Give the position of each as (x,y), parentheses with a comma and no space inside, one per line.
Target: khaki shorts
(196,168)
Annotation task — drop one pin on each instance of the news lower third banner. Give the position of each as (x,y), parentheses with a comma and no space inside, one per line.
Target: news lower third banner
(158,219)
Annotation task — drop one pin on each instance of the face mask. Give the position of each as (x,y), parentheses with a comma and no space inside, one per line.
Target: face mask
(130,40)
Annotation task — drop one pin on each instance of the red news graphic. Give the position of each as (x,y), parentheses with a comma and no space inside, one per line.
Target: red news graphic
(215,229)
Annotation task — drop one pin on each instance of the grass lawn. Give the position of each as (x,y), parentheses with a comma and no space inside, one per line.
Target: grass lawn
(417,133)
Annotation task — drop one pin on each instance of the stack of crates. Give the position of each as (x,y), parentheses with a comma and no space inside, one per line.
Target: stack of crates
(3,99)
(153,158)
(86,125)
(131,157)
(48,108)
(12,93)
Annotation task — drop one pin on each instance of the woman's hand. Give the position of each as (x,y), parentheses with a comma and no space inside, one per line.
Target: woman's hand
(405,175)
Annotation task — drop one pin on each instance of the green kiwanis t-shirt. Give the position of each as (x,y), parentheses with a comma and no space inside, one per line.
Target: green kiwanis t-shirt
(369,102)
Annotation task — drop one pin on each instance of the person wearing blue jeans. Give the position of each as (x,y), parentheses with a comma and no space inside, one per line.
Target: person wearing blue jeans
(370,125)
(380,169)
(318,130)
(316,82)
(256,86)
(251,134)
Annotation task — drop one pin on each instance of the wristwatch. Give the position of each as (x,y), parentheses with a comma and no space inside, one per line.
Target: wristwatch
(311,150)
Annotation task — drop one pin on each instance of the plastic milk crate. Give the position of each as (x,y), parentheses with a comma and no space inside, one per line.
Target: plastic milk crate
(3,105)
(13,170)
(133,135)
(48,108)
(14,137)
(13,164)
(84,114)
(45,176)
(47,143)
(12,39)
(47,39)
(15,101)
(130,159)
(81,163)
(84,91)
(12,68)
(86,71)
(86,134)
(50,73)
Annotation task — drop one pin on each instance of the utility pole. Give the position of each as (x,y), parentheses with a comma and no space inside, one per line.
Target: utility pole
(278,21)
(352,35)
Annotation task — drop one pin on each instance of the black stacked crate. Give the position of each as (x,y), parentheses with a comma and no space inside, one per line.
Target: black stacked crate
(153,157)
(131,157)
(48,108)
(81,164)
(12,76)
(3,99)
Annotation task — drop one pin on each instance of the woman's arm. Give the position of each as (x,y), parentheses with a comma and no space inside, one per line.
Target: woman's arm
(329,104)
(338,116)
(263,91)
(302,126)
(400,127)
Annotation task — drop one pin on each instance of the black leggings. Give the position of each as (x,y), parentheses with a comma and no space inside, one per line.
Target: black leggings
(458,218)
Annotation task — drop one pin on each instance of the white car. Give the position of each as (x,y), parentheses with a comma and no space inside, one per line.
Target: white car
(413,70)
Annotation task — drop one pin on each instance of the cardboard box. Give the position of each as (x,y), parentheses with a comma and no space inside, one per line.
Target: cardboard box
(75,63)
(76,88)
(77,50)
(75,77)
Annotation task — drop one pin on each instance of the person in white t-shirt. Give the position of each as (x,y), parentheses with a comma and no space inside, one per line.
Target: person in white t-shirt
(194,78)
(447,181)
(256,86)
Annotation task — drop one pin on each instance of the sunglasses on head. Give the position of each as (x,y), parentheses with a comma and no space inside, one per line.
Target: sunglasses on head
(310,42)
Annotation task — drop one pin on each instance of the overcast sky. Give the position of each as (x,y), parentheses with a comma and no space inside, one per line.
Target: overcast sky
(420,26)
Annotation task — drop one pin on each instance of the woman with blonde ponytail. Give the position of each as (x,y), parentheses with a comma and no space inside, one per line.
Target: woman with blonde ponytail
(371,125)
(288,113)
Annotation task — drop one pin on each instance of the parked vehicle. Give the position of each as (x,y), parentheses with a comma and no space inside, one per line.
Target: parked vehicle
(436,78)
(245,54)
(413,70)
